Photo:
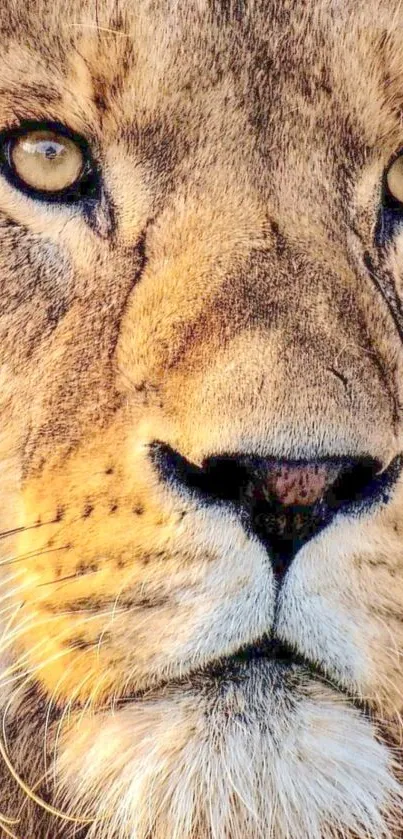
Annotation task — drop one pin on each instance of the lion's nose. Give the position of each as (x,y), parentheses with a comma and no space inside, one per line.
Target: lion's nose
(301,484)
(289,503)
(284,503)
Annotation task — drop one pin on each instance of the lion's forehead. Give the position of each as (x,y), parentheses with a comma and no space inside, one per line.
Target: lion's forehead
(289,70)
(243,113)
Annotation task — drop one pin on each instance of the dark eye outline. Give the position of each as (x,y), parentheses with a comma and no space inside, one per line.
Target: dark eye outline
(87,185)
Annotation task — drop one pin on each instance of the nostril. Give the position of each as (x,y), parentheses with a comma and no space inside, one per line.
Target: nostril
(287,483)
(354,482)
(283,503)
(304,483)
(218,479)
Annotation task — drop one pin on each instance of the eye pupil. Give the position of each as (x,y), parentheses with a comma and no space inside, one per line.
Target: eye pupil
(51,151)
(45,148)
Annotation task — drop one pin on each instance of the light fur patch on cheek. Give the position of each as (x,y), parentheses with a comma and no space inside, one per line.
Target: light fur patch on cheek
(340,606)
(249,762)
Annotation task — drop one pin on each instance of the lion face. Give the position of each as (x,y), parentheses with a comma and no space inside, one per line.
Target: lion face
(201,386)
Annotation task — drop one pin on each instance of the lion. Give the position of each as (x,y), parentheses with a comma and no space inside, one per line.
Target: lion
(201,388)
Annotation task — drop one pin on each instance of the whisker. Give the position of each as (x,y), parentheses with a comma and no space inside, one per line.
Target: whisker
(66,712)
(9,608)
(4,826)
(100,29)
(9,624)
(113,613)
(23,528)
(52,702)
(16,590)
(31,555)
(60,580)
(23,627)
(54,811)
(35,786)
(21,630)
(4,753)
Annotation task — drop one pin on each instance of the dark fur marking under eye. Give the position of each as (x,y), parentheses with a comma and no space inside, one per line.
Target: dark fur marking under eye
(100,103)
(386,287)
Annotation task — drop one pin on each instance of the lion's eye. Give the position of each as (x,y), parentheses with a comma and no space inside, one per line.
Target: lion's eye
(46,161)
(394,180)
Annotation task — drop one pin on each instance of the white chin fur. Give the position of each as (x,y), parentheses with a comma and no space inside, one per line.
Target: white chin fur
(268,755)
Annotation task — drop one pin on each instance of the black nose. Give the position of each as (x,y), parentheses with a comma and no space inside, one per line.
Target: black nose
(284,503)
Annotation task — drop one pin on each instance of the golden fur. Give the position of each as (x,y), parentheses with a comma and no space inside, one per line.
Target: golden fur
(232,290)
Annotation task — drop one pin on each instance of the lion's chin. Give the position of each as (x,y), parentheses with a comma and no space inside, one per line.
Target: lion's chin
(266,751)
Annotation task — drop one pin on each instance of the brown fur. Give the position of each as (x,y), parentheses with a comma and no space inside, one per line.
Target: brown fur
(227,293)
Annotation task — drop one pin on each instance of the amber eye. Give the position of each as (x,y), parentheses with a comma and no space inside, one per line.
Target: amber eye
(46,161)
(394,180)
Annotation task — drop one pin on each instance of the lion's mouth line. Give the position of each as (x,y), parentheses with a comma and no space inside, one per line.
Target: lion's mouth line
(226,669)
(269,648)
(282,660)
(284,504)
